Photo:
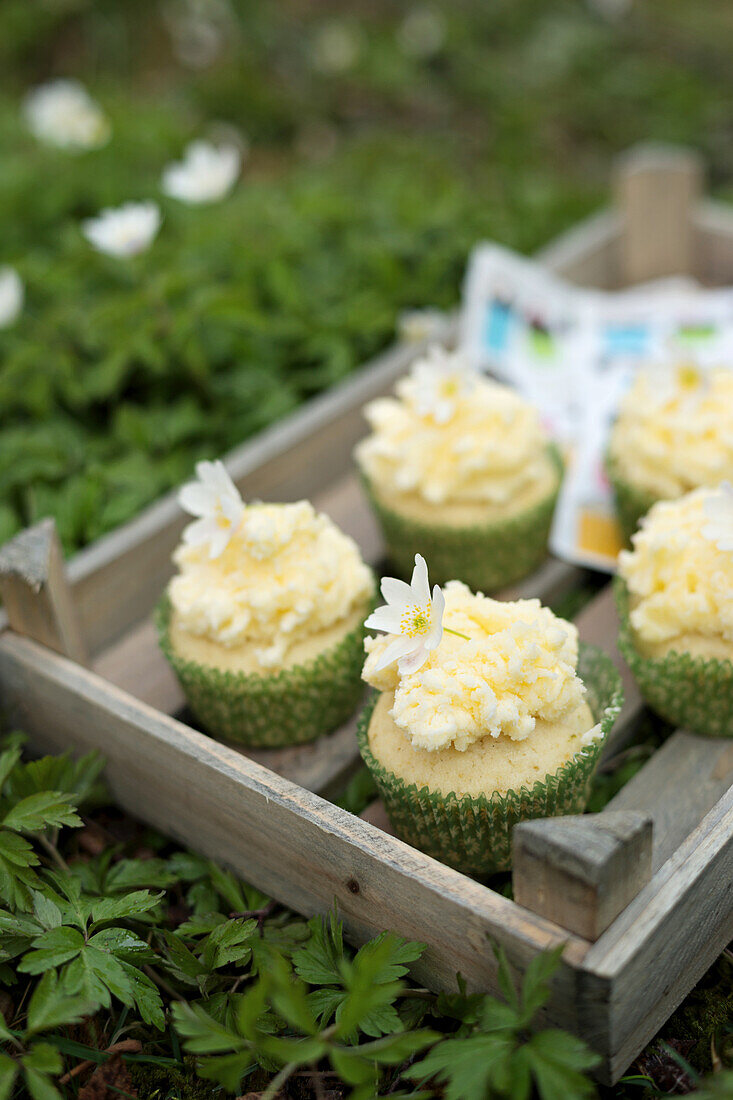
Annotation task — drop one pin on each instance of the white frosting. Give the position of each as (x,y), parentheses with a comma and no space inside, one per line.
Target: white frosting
(287,573)
(675,430)
(519,665)
(680,582)
(453,435)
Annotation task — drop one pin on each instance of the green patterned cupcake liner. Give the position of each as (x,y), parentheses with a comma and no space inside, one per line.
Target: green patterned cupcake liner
(632,502)
(290,707)
(686,690)
(485,557)
(473,833)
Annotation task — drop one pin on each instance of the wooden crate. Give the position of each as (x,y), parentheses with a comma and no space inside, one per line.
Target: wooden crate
(640,895)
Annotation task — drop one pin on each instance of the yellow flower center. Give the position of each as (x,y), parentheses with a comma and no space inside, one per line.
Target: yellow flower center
(688,377)
(449,387)
(415,620)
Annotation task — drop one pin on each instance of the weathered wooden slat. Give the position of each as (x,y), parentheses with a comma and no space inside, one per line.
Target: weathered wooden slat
(287,841)
(35,591)
(581,871)
(652,955)
(657,188)
(713,227)
(677,787)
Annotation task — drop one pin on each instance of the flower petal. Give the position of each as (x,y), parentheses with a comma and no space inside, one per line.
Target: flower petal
(396,591)
(196,534)
(436,619)
(420,584)
(196,499)
(395,651)
(412,661)
(388,619)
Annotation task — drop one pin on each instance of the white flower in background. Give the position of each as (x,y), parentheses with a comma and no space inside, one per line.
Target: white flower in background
(438,383)
(205,174)
(336,48)
(416,325)
(215,500)
(413,615)
(62,113)
(718,507)
(11,295)
(124,230)
(422,32)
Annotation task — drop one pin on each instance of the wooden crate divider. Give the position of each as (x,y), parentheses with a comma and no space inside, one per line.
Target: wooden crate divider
(639,895)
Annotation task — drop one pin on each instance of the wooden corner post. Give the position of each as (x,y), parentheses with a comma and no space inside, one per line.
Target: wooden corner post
(657,188)
(582,871)
(35,591)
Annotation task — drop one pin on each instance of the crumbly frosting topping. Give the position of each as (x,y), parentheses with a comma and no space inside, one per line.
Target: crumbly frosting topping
(519,665)
(680,581)
(675,429)
(451,434)
(286,573)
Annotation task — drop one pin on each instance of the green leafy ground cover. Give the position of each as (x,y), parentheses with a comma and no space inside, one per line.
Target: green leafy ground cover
(373,170)
(130,967)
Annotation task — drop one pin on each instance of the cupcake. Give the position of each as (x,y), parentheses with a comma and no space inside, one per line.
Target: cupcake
(263,623)
(459,468)
(674,433)
(485,713)
(674,592)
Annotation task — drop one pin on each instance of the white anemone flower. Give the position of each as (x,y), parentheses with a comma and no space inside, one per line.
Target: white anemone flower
(123,230)
(215,500)
(413,615)
(11,295)
(206,174)
(439,382)
(62,113)
(718,507)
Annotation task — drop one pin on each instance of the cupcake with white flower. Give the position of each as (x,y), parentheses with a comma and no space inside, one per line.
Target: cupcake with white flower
(263,623)
(674,592)
(459,468)
(485,713)
(673,434)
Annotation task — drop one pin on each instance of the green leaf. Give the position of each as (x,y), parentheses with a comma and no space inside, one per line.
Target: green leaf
(41,1062)
(392,955)
(8,1073)
(227,1070)
(39,811)
(46,912)
(53,948)
(123,943)
(465,1066)
(318,962)
(228,943)
(51,1006)
(130,906)
(146,996)
(535,984)
(8,760)
(558,1061)
(202,1033)
(182,962)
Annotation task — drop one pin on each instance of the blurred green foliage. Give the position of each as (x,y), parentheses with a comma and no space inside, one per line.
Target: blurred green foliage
(386,138)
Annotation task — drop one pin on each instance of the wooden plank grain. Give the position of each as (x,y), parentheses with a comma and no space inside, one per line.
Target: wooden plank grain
(653,954)
(287,841)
